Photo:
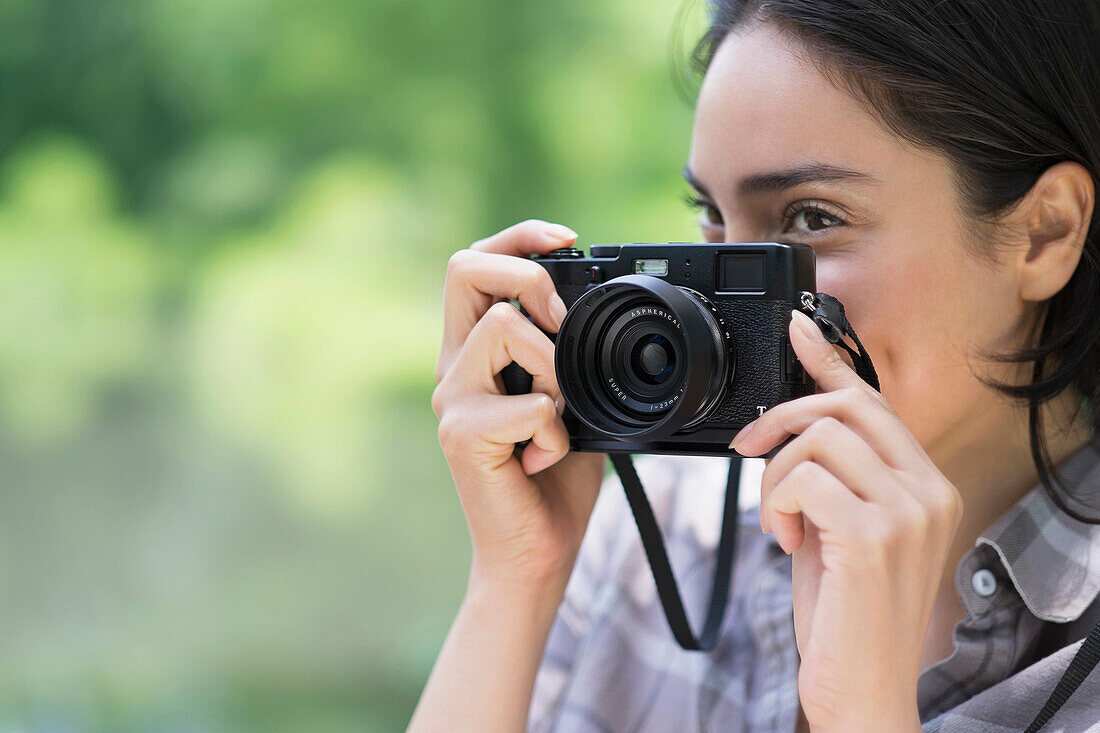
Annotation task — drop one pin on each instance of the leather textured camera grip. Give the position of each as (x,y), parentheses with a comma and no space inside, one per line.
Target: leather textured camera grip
(516,379)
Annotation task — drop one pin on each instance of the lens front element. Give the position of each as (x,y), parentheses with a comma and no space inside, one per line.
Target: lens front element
(653,358)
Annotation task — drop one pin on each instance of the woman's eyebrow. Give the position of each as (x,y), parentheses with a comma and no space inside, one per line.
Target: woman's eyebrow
(694,182)
(776,181)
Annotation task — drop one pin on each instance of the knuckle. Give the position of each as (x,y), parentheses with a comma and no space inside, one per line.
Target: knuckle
(866,398)
(948,505)
(439,401)
(459,263)
(448,430)
(457,432)
(856,396)
(834,362)
(805,472)
(501,316)
(535,277)
(871,398)
(822,430)
(545,409)
(541,280)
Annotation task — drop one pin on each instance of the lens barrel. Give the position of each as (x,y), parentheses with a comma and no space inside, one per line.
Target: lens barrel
(640,358)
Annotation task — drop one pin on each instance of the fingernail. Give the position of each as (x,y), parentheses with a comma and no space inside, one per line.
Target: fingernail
(557,231)
(559,404)
(807,326)
(557,310)
(742,434)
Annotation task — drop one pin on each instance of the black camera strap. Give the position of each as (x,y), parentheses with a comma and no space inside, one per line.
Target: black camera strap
(828,313)
(655,553)
(1083,662)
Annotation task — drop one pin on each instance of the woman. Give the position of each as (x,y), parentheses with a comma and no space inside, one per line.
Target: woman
(919,566)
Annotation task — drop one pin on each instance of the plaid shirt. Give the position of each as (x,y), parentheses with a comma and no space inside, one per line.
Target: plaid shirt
(1029,588)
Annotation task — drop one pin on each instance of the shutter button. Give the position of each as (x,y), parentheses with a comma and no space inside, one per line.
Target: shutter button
(984,582)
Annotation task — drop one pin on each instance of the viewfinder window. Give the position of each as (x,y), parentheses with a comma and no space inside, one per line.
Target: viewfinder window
(741,272)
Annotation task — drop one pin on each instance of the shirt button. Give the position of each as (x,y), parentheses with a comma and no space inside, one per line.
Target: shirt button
(984,582)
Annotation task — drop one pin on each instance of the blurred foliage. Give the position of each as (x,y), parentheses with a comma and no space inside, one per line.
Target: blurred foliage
(223,231)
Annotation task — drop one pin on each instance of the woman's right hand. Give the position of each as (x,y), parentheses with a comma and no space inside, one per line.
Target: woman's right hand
(526,513)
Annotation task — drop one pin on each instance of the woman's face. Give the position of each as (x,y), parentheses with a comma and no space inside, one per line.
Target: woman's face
(780,154)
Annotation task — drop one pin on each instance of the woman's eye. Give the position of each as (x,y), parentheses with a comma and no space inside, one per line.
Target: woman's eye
(710,214)
(811,219)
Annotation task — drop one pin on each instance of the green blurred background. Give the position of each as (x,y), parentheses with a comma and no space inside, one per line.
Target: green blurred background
(223,231)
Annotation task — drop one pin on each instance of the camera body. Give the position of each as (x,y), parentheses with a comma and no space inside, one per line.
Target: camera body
(672,348)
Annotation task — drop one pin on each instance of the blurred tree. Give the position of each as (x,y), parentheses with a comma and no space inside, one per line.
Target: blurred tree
(77,290)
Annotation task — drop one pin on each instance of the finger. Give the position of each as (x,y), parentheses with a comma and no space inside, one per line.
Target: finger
(531,417)
(820,359)
(527,238)
(502,336)
(845,455)
(490,425)
(536,457)
(810,491)
(476,280)
(863,410)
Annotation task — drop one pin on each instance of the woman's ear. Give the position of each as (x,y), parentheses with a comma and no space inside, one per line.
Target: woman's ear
(1057,214)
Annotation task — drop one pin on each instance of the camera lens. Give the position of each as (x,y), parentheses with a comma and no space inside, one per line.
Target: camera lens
(638,357)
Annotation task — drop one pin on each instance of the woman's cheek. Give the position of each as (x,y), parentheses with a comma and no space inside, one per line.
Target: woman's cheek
(880,300)
(914,340)
(872,288)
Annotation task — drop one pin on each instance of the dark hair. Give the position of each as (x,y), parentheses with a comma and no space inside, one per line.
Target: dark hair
(1003,89)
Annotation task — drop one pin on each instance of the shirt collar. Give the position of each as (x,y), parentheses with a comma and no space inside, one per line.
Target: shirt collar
(1051,558)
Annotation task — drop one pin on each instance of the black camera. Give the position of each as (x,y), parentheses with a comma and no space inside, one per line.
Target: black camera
(672,348)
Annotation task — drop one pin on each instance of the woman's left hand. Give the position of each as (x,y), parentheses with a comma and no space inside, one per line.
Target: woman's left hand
(869,520)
